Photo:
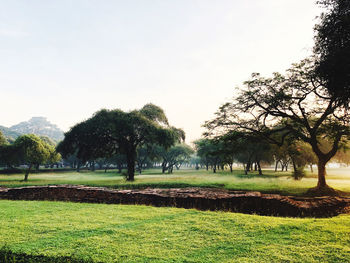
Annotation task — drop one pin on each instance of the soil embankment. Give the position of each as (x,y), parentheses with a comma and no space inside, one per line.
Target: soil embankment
(197,198)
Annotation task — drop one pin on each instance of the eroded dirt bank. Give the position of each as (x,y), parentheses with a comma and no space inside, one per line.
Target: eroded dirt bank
(198,198)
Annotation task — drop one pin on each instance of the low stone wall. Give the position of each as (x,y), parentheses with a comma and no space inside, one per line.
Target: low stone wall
(198,198)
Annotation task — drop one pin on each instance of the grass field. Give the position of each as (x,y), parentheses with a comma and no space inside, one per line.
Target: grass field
(270,182)
(123,233)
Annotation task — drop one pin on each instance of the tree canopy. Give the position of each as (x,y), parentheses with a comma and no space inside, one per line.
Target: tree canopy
(332,48)
(109,132)
(296,104)
(32,150)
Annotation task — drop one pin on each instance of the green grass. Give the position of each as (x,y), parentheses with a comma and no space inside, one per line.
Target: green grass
(123,233)
(271,182)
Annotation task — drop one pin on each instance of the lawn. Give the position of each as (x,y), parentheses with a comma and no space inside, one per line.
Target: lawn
(270,182)
(123,233)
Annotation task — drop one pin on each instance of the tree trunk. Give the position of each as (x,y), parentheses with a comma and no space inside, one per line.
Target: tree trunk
(247,167)
(276,165)
(170,169)
(231,170)
(139,168)
(259,168)
(130,159)
(27,173)
(312,170)
(321,175)
(294,165)
(163,167)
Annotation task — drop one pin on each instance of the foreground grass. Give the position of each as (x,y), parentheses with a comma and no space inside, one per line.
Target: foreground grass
(122,233)
(271,182)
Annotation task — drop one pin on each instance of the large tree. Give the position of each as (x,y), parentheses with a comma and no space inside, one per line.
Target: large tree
(332,48)
(296,104)
(109,132)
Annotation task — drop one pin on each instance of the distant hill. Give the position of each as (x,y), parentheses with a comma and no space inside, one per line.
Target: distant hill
(36,125)
(9,134)
(39,126)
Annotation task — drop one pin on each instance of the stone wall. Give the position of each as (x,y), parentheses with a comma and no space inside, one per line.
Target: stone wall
(198,198)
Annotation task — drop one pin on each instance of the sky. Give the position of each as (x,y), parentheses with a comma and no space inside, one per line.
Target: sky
(66,59)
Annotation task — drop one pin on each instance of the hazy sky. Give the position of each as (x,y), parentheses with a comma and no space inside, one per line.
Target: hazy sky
(66,59)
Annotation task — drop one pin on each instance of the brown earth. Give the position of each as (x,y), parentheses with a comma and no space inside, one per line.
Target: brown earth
(198,198)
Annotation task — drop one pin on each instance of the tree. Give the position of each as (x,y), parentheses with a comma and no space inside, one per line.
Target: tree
(207,151)
(81,144)
(174,156)
(8,155)
(332,48)
(154,113)
(3,139)
(195,161)
(109,132)
(300,155)
(281,156)
(296,152)
(247,148)
(343,156)
(31,150)
(296,105)
(145,154)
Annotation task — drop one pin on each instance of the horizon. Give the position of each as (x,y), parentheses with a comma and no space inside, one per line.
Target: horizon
(65,61)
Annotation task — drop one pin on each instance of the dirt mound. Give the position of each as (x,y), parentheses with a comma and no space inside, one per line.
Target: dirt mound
(198,198)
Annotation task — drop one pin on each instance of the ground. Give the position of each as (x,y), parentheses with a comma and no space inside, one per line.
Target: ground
(124,233)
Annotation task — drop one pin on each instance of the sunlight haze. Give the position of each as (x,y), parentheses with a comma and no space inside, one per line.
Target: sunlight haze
(67,59)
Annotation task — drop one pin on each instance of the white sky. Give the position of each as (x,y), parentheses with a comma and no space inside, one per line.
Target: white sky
(66,59)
